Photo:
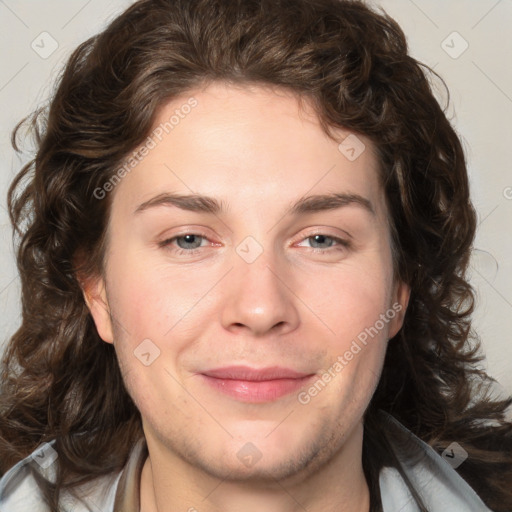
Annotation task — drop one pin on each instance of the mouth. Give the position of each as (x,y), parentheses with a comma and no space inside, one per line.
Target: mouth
(253,385)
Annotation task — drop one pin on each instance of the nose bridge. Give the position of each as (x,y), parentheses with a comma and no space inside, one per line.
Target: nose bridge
(258,297)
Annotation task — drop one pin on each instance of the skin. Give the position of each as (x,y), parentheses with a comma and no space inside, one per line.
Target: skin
(300,304)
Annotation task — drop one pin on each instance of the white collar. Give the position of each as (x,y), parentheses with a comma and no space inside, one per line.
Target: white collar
(437,483)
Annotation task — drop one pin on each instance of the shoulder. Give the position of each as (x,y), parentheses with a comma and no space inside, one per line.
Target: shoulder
(19,491)
(431,476)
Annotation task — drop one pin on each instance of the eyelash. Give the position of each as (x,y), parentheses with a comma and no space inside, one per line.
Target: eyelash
(344,244)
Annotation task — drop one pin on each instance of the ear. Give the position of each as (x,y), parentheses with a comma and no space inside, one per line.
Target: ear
(400,301)
(95,296)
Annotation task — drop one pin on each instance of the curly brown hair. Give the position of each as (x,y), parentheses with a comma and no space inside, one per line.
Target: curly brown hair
(61,381)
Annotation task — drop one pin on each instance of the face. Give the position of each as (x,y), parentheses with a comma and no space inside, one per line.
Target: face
(251,326)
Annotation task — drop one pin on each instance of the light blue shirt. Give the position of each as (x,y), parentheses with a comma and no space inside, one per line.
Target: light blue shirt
(433,477)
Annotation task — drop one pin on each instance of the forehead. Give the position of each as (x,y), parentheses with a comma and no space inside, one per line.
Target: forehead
(247,143)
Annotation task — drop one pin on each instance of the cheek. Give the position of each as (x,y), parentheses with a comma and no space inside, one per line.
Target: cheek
(351,300)
(361,314)
(150,300)
(152,308)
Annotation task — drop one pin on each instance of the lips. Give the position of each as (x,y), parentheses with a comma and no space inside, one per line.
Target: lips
(255,375)
(255,385)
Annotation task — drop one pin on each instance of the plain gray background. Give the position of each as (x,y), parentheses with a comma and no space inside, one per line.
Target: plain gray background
(469,43)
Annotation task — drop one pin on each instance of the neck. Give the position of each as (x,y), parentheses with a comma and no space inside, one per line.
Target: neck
(168,483)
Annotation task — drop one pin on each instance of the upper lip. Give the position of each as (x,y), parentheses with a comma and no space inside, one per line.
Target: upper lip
(254,374)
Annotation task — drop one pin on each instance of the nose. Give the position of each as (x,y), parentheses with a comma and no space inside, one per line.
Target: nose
(259,298)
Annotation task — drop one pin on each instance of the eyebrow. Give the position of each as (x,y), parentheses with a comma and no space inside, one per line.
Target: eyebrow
(309,204)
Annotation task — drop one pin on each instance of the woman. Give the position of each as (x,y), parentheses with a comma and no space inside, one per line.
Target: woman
(149,375)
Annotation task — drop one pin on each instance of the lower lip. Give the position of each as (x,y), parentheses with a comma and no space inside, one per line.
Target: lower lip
(257,391)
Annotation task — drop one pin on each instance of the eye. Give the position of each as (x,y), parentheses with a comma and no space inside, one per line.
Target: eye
(188,243)
(191,243)
(320,239)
